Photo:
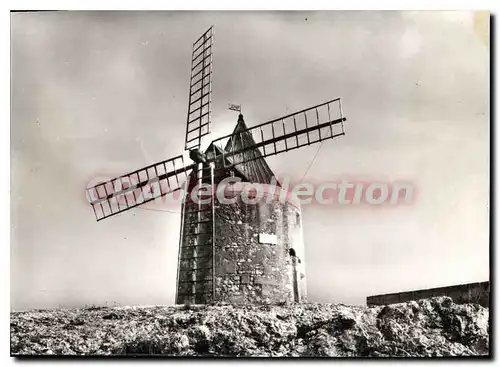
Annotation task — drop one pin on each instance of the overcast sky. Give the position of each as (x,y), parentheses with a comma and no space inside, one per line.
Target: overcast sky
(102,94)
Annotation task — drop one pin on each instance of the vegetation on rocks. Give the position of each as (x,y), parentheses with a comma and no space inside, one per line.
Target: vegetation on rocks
(432,327)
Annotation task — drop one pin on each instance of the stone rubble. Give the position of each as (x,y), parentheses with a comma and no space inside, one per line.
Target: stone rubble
(425,328)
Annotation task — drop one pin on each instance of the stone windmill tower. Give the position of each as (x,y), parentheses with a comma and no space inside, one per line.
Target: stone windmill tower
(245,246)
(250,252)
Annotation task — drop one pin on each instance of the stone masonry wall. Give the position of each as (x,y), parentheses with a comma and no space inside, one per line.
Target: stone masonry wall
(249,270)
(253,263)
(464,293)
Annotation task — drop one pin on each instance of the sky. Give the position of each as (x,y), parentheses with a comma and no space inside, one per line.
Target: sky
(100,94)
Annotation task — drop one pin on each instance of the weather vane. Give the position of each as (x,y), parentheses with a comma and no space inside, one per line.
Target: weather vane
(235,107)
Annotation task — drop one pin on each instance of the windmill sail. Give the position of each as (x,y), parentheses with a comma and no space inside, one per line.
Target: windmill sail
(200,91)
(138,187)
(306,127)
(244,145)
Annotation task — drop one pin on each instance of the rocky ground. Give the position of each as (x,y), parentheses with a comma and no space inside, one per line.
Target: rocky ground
(434,327)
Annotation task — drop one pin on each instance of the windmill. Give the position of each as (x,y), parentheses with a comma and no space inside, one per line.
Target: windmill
(220,258)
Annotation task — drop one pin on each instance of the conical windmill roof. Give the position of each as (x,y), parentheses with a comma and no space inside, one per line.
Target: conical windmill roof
(256,170)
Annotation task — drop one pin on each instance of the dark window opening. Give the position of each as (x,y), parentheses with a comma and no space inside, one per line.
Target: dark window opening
(292,253)
(297,218)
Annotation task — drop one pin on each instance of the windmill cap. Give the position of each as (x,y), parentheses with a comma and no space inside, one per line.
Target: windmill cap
(240,117)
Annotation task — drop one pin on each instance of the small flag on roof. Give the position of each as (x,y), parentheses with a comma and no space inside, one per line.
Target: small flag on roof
(235,107)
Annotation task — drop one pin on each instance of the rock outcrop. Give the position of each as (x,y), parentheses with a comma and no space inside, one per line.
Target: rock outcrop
(424,328)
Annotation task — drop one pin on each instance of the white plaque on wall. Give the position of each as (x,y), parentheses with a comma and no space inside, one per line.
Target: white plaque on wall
(271,239)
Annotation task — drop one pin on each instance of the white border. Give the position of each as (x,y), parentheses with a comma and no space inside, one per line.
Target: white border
(162,5)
